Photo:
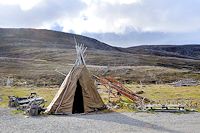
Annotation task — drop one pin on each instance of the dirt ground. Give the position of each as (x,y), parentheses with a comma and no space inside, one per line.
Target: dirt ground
(97,123)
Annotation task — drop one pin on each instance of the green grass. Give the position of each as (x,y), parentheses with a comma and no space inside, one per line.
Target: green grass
(46,93)
(166,93)
(14,112)
(159,93)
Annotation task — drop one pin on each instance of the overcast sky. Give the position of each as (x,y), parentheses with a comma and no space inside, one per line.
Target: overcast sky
(117,22)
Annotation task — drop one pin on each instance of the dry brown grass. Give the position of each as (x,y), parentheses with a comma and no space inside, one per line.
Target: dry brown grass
(160,93)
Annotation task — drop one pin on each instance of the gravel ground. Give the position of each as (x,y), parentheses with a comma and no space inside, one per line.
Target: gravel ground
(105,123)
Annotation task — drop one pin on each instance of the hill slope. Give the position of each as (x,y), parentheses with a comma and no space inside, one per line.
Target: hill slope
(180,51)
(46,45)
(36,53)
(33,38)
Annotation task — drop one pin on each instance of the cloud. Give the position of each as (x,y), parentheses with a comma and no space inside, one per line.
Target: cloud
(127,22)
(57,27)
(146,15)
(101,16)
(42,15)
(135,38)
(23,4)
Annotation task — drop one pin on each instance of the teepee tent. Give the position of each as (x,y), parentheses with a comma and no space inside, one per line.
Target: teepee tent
(77,94)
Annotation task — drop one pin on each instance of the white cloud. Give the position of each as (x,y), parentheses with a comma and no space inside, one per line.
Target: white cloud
(24,4)
(118,17)
(42,15)
(143,15)
(92,20)
(103,15)
(112,1)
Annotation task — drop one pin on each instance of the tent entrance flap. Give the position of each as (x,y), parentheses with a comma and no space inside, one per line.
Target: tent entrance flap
(78,106)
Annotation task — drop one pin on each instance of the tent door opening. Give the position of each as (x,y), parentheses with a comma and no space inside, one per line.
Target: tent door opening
(78,106)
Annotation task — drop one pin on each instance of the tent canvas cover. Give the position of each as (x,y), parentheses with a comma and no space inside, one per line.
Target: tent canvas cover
(78,93)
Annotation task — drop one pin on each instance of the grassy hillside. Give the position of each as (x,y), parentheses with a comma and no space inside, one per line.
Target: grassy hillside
(32,55)
(180,51)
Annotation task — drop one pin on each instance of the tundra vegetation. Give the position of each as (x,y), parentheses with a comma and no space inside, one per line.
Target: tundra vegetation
(29,58)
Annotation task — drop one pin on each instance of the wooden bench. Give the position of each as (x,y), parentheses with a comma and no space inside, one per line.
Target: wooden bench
(165,106)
